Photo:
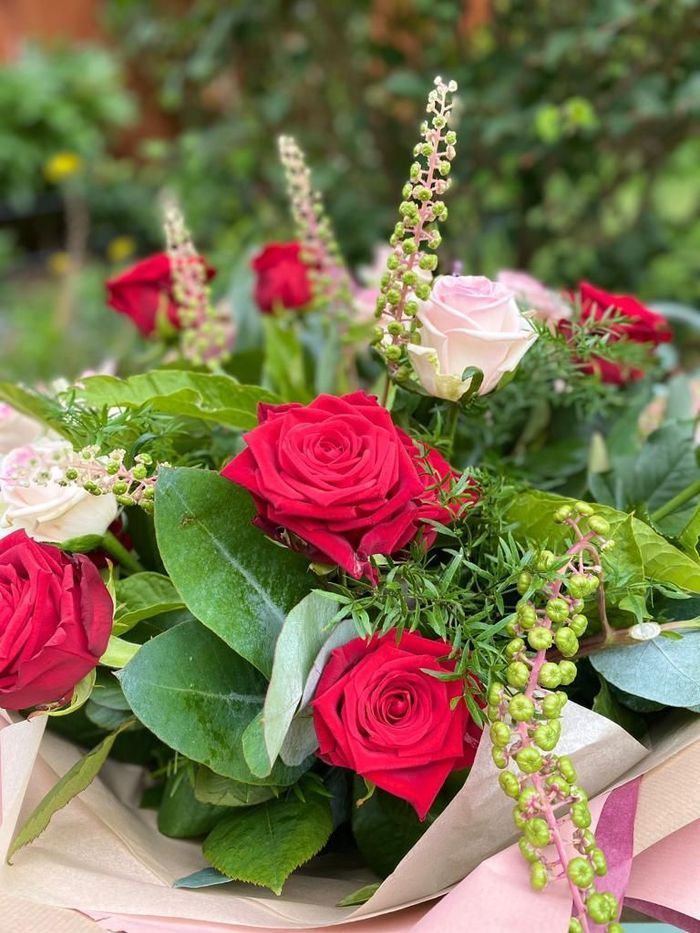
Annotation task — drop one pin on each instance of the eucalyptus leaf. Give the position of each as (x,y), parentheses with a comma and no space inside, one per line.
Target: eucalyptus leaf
(663,670)
(265,844)
(205,878)
(607,705)
(232,578)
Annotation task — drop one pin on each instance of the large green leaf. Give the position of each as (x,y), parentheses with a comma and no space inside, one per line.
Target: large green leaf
(664,670)
(142,596)
(181,815)
(69,786)
(264,844)
(198,696)
(212,397)
(664,466)
(231,577)
(639,552)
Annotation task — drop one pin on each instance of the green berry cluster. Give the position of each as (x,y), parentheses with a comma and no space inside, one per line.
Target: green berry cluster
(410,266)
(524,709)
(103,474)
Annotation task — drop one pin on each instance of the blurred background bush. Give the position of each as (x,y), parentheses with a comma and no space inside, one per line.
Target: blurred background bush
(578,153)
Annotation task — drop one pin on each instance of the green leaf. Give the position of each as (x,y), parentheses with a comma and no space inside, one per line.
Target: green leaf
(303,634)
(204,878)
(231,577)
(264,844)
(119,652)
(690,534)
(217,789)
(361,896)
(33,405)
(664,467)
(667,671)
(181,815)
(284,359)
(211,397)
(640,552)
(142,596)
(607,705)
(198,696)
(69,786)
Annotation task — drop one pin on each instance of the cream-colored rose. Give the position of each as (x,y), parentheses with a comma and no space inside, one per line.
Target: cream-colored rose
(16,429)
(42,507)
(468,321)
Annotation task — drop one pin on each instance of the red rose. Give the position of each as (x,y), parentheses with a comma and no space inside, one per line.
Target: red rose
(340,476)
(282,278)
(378,713)
(55,621)
(643,326)
(144,293)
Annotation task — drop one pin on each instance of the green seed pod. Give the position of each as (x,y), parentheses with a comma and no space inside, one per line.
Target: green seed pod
(519,819)
(557,609)
(545,737)
(545,559)
(549,677)
(566,642)
(495,693)
(526,850)
(500,759)
(539,638)
(514,647)
(588,840)
(512,629)
(599,525)
(527,615)
(537,832)
(551,706)
(517,674)
(521,708)
(500,734)
(558,782)
(578,624)
(575,926)
(529,760)
(566,769)
(567,672)
(538,876)
(555,726)
(599,862)
(580,872)
(510,785)
(526,796)
(562,513)
(612,902)
(579,793)
(583,508)
(493,713)
(615,928)
(524,581)
(598,908)
(580,815)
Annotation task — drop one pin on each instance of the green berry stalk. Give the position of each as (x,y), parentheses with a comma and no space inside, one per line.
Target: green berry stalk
(526,726)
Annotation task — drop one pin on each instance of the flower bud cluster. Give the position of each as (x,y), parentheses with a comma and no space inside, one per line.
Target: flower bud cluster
(320,252)
(95,473)
(206,337)
(525,709)
(411,264)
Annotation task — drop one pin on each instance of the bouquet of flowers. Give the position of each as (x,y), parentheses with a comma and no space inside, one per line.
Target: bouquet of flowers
(334,564)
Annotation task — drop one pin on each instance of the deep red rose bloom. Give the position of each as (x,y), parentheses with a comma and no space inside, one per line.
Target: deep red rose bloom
(643,326)
(55,621)
(144,293)
(340,476)
(377,713)
(282,278)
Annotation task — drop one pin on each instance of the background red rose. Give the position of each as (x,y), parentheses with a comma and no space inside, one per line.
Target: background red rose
(282,278)
(342,477)
(378,713)
(643,326)
(144,291)
(55,621)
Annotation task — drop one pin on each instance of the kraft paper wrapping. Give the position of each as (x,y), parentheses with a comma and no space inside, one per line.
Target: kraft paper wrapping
(103,856)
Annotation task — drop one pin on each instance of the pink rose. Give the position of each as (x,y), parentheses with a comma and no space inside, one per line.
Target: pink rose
(468,321)
(546,304)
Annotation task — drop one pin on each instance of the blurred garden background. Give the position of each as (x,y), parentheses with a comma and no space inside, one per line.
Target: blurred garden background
(578,153)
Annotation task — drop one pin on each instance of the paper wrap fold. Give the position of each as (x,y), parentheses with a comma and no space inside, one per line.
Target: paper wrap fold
(103,856)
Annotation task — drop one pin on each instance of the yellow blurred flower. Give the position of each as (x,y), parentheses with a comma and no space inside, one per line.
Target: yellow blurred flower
(62,165)
(59,264)
(121,248)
